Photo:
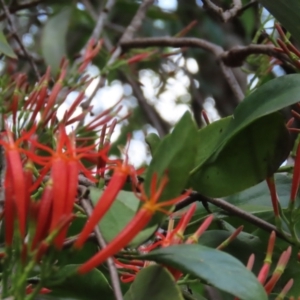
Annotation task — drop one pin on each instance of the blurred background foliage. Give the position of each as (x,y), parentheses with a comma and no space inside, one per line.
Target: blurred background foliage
(159,89)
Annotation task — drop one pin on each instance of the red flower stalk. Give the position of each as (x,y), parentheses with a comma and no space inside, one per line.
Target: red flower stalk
(9,210)
(15,180)
(193,239)
(283,260)
(30,289)
(65,166)
(116,183)
(139,57)
(54,93)
(92,50)
(296,177)
(285,290)
(250,262)
(230,238)
(44,215)
(138,223)
(274,197)
(263,274)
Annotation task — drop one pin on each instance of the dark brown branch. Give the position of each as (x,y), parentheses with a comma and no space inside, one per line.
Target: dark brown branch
(15,8)
(115,282)
(151,114)
(226,15)
(188,42)
(232,58)
(18,39)
(260,223)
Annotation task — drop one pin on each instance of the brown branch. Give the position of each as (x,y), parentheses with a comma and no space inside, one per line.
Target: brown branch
(18,39)
(226,15)
(230,58)
(102,18)
(133,27)
(15,8)
(115,282)
(228,207)
(237,55)
(151,114)
(189,42)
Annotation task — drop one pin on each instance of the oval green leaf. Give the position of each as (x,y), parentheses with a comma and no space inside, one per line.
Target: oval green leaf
(174,156)
(81,287)
(53,40)
(215,267)
(5,48)
(154,282)
(287,13)
(255,152)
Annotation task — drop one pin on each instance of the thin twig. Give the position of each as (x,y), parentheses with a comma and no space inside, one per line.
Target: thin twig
(231,58)
(18,39)
(128,34)
(226,15)
(102,18)
(15,8)
(260,223)
(133,27)
(115,282)
(189,42)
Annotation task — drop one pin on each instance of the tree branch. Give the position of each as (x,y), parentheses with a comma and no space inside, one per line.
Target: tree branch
(226,15)
(14,8)
(260,223)
(231,58)
(18,39)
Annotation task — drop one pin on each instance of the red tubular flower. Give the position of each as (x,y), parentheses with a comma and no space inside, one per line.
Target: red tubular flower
(15,179)
(54,93)
(9,210)
(65,166)
(283,260)
(138,223)
(296,177)
(116,183)
(30,289)
(263,274)
(230,238)
(274,197)
(195,237)
(44,215)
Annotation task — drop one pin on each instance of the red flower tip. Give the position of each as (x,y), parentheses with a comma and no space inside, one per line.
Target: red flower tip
(274,197)
(138,223)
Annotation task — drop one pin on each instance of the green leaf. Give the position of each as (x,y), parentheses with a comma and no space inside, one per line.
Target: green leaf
(53,42)
(176,156)
(121,212)
(273,96)
(154,282)
(216,267)
(5,47)
(287,13)
(257,198)
(153,141)
(209,138)
(81,287)
(252,154)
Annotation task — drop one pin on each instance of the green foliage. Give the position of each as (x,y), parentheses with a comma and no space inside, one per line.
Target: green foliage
(81,287)
(5,48)
(154,282)
(287,13)
(204,263)
(53,41)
